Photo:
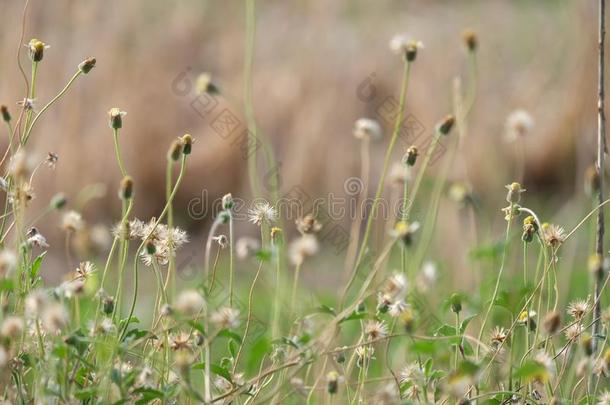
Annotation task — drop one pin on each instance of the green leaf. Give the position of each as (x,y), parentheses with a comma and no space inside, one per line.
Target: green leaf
(354,316)
(423,347)
(465,323)
(221,371)
(35,267)
(530,370)
(231,335)
(324,309)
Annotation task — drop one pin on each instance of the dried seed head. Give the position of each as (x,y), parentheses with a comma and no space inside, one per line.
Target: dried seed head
(592,181)
(175,150)
(446,124)
(72,221)
(369,129)
(126,188)
(187,144)
(411,155)
(403,45)
(190,303)
(116,118)
(470,40)
(36,49)
(205,84)
(6,116)
(551,322)
(58,201)
(518,124)
(86,65)
(308,224)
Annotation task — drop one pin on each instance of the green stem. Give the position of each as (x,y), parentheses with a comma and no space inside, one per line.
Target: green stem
(380,186)
(117,151)
(49,104)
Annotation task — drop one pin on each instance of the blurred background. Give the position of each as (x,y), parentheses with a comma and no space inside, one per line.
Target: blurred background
(315,62)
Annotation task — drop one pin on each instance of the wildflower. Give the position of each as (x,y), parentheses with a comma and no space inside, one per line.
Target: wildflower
(395,286)
(514,192)
(518,124)
(369,129)
(262,213)
(308,224)
(246,246)
(399,174)
(596,264)
(404,230)
(190,303)
(411,156)
(222,241)
(548,365)
(586,342)
(553,235)
(427,276)
(54,318)
(108,305)
(412,373)
(530,227)
(51,160)
(205,84)
(105,327)
(187,144)
(397,308)
(458,384)
(332,379)
(87,65)
(227,202)
(551,322)
(6,115)
(470,40)
(512,211)
(577,309)
(12,327)
(145,378)
(35,302)
(375,330)
(403,45)
(460,193)
(28,104)
(364,355)
(225,318)
(573,332)
(407,319)
(302,248)
(527,318)
(126,188)
(35,238)
(36,49)
(498,336)
(116,118)
(180,341)
(444,127)
(175,150)
(72,221)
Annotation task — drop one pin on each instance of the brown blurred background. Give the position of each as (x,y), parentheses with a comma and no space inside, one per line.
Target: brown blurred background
(310,59)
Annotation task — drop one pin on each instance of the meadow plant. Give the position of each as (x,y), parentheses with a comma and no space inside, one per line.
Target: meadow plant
(392,333)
